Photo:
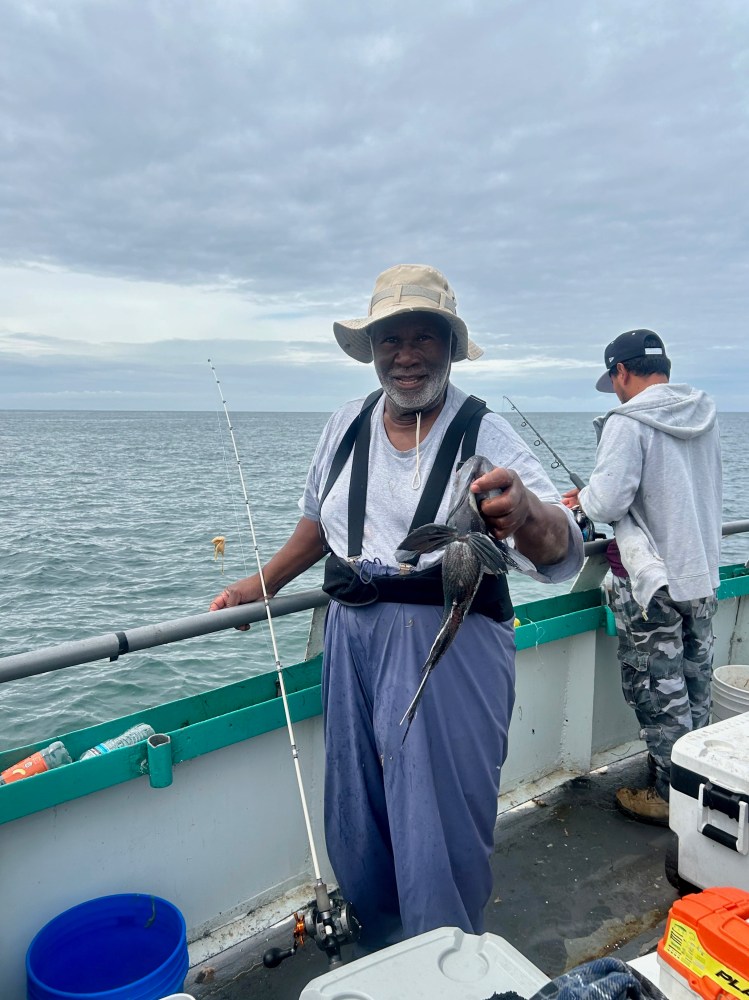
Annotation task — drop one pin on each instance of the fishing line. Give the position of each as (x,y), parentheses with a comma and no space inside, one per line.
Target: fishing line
(234,511)
(272,631)
(240,534)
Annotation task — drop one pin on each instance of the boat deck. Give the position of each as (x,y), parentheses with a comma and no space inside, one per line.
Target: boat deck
(574,879)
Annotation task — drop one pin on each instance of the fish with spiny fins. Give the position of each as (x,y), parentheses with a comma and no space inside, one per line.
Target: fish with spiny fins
(469,553)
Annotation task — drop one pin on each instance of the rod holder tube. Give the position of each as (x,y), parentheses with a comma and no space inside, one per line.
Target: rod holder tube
(159,752)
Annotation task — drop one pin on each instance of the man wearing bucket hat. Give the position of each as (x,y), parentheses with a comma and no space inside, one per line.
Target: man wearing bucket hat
(409,825)
(658,480)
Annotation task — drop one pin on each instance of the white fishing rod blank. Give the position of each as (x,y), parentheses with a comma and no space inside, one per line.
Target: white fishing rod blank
(279,668)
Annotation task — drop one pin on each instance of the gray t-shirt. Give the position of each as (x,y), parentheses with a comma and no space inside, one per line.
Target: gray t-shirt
(394,489)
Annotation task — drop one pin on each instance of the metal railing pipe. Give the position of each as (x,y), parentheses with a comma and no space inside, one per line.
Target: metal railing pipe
(111,645)
(600,544)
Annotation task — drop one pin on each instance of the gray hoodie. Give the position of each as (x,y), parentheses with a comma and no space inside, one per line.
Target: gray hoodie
(658,480)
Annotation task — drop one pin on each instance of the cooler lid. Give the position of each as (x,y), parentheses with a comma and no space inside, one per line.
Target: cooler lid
(442,964)
(719,752)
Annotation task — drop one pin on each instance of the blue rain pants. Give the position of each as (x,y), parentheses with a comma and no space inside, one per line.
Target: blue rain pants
(410,826)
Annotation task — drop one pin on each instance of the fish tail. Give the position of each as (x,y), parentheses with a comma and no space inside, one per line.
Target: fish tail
(411,710)
(440,645)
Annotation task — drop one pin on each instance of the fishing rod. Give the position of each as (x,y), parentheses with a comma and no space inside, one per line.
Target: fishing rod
(576,480)
(583,521)
(329,925)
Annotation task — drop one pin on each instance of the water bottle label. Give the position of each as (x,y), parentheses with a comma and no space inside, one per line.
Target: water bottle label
(34,764)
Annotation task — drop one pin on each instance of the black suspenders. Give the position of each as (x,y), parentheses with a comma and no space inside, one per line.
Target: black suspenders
(439,477)
(464,425)
(361,424)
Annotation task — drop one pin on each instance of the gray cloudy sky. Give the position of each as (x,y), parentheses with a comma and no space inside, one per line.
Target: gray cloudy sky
(191,179)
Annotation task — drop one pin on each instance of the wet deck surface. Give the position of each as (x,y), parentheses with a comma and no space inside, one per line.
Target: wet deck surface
(574,879)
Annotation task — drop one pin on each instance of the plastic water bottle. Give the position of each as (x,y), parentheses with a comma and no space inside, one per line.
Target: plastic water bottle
(43,760)
(127,739)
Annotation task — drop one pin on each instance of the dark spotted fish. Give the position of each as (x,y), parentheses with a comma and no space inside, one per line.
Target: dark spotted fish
(469,553)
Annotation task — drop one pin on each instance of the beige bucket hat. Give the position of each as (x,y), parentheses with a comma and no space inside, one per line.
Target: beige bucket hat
(406,288)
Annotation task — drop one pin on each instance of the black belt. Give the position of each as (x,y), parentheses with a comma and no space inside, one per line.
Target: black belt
(344,585)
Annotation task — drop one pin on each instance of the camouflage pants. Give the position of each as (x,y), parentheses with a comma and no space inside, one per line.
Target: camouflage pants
(666,661)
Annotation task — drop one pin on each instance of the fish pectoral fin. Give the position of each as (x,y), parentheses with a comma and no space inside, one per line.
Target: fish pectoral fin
(427,538)
(490,556)
(498,557)
(516,559)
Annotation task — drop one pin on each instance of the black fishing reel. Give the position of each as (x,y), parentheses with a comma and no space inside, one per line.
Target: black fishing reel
(329,924)
(584,523)
(332,928)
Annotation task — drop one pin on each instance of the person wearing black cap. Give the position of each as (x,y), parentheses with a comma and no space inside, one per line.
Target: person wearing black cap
(658,481)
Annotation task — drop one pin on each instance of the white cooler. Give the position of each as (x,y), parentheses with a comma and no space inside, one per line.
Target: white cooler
(709,809)
(444,964)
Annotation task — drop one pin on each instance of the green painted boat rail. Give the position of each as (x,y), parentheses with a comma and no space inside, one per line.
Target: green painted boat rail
(240,711)
(734,581)
(558,617)
(196,725)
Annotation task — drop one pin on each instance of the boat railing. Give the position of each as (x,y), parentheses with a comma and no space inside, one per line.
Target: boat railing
(728,528)
(112,645)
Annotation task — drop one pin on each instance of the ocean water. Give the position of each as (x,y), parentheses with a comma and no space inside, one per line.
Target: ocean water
(107,520)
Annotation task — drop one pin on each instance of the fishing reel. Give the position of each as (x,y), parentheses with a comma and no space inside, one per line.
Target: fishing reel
(330,925)
(332,928)
(584,523)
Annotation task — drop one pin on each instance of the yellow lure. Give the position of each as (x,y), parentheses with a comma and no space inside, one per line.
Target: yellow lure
(219,544)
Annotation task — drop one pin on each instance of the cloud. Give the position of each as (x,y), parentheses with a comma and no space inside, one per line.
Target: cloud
(242,171)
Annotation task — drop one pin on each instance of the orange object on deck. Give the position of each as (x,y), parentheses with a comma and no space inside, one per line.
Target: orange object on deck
(706,943)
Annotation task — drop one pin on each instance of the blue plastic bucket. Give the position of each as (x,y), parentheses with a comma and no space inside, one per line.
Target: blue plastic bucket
(126,947)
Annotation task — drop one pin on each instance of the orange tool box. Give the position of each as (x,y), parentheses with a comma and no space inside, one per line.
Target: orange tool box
(706,944)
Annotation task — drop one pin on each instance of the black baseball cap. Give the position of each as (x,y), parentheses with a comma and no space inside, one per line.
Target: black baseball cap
(628,346)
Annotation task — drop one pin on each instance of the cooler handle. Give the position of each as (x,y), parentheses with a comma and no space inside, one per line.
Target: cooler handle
(719,836)
(730,804)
